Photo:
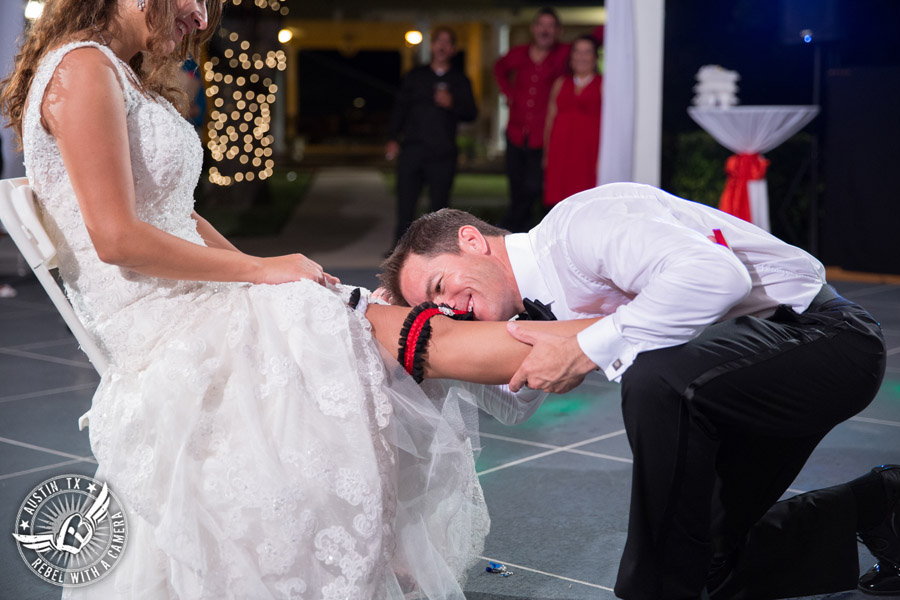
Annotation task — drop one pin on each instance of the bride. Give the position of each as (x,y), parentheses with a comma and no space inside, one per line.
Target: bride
(261,443)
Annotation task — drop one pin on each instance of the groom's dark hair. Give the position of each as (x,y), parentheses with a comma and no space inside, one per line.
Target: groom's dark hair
(430,235)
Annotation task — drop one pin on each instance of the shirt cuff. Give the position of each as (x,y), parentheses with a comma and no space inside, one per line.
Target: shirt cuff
(603,343)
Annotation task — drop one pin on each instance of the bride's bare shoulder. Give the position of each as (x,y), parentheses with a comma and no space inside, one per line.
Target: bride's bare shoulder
(85,77)
(88,60)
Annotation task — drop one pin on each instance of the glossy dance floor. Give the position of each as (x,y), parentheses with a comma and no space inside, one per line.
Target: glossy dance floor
(557,486)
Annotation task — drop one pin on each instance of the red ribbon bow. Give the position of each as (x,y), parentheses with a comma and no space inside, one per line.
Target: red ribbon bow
(740,169)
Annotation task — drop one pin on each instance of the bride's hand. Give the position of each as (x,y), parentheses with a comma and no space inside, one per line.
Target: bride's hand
(293,267)
(381,296)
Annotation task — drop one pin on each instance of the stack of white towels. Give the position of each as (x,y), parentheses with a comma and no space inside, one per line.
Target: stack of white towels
(716,87)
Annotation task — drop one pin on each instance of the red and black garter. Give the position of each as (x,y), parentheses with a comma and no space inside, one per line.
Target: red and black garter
(416,334)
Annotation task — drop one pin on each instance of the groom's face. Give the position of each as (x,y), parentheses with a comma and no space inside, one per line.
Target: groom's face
(467,281)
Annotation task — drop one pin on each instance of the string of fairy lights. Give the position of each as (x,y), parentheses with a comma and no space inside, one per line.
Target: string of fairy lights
(241,91)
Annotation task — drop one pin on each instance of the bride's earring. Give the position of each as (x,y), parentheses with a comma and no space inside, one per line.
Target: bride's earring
(141,4)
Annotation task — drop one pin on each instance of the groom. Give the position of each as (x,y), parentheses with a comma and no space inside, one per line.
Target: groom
(735,360)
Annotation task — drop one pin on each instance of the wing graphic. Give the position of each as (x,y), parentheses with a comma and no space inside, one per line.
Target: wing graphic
(100,506)
(41,542)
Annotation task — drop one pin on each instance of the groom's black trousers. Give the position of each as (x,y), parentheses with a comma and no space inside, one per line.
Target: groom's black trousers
(719,428)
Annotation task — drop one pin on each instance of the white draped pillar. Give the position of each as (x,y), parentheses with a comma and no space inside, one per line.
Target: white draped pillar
(617,110)
(12,23)
(649,21)
(631,122)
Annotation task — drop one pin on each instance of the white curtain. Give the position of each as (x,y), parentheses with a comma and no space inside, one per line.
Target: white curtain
(12,23)
(617,117)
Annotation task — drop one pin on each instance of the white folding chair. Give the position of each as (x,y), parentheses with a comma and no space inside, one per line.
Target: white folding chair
(22,222)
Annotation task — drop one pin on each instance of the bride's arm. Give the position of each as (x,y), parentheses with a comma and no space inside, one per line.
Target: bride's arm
(476,351)
(84,109)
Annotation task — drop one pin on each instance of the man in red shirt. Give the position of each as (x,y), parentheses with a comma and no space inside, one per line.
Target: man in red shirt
(525,75)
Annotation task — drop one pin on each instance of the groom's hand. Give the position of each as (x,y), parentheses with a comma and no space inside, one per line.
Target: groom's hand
(555,364)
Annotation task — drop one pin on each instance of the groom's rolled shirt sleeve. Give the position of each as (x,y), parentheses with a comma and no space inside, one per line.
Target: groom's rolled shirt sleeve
(679,281)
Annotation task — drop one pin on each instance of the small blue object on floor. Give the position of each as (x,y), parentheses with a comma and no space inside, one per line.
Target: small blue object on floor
(495,567)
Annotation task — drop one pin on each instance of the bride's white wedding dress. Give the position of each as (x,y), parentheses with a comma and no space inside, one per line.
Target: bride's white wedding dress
(253,432)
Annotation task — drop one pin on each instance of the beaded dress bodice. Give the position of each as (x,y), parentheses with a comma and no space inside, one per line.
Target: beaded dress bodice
(166,159)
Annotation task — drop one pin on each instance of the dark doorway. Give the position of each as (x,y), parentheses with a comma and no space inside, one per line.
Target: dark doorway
(346,97)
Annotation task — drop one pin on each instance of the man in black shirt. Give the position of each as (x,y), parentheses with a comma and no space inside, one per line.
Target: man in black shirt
(433,98)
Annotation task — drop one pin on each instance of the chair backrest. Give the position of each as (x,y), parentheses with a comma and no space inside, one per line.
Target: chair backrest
(22,222)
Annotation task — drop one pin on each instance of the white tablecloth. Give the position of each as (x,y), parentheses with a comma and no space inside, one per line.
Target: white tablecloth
(754,130)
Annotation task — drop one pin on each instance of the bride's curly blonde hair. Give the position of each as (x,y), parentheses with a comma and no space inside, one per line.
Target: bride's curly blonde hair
(66,21)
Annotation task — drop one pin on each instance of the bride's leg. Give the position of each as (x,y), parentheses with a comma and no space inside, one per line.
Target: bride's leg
(477,351)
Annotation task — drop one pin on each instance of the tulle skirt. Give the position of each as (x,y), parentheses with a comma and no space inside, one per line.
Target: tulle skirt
(264,446)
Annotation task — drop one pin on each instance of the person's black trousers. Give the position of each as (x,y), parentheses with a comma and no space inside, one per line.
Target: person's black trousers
(719,428)
(416,167)
(526,184)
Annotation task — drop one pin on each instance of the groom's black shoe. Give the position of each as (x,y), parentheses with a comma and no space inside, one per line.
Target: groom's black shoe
(883,540)
(881,580)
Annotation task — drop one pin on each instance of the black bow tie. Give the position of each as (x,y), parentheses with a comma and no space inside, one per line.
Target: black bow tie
(535,310)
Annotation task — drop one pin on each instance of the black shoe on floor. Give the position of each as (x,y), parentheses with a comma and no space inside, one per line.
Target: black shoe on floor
(881,580)
(883,541)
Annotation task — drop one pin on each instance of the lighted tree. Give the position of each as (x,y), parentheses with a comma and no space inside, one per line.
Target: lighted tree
(241,90)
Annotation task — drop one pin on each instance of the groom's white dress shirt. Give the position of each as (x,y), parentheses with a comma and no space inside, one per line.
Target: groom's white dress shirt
(643,258)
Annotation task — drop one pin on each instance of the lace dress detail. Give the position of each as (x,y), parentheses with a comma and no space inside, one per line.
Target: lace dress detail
(261,443)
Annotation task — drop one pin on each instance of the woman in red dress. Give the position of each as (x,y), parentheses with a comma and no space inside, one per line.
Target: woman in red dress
(572,131)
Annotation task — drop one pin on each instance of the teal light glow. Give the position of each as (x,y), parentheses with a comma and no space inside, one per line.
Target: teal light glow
(560,408)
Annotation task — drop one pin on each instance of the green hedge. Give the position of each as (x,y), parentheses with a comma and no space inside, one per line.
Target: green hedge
(696,167)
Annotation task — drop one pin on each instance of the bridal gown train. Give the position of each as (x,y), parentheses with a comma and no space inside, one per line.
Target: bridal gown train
(254,433)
